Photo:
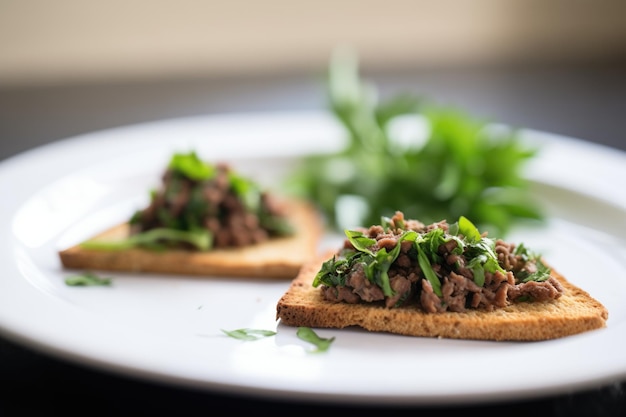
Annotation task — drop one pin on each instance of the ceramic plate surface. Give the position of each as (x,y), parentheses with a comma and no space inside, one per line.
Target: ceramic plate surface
(169,329)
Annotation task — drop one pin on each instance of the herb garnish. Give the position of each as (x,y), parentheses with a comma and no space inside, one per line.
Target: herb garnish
(304,333)
(191,166)
(155,239)
(249,334)
(308,335)
(542,273)
(87,279)
(479,251)
(191,198)
(462,166)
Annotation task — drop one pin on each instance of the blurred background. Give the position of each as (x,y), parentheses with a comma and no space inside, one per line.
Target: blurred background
(70,66)
(70,41)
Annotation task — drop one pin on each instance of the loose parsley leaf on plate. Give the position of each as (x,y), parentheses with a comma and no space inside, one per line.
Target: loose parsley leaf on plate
(249,334)
(304,333)
(308,335)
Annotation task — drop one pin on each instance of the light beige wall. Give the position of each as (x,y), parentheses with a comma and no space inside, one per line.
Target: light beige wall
(52,41)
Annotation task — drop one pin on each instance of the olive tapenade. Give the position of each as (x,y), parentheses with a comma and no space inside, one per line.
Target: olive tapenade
(438,267)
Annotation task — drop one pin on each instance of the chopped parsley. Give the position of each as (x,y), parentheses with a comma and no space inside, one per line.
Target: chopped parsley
(308,335)
(156,239)
(191,166)
(478,251)
(249,334)
(304,333)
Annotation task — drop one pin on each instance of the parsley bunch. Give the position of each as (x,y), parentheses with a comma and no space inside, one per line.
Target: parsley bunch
(459,166)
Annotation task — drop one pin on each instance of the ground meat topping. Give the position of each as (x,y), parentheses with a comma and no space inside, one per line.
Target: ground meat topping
(230,208)
(438,267)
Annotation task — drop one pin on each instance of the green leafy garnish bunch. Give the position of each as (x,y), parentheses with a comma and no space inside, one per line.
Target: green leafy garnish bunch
(408,154)
(201,206)
(432,253)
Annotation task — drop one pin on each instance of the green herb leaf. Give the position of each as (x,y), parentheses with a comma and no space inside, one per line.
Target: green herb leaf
(308,335)
(155,239)
(246,190)
(467,229)
(359,241)
(249,334)
(87,279)
(428,270)
(383,261)
(542,273)
(331,272)
(191,166)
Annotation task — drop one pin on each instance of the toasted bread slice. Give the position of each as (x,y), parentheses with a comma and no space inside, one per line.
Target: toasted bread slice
(574,312)
(280,257)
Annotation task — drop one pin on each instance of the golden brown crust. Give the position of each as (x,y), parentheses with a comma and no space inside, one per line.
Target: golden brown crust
(277,258)
(574,312)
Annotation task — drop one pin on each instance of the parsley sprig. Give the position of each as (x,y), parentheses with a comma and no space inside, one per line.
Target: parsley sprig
(321,344)
(249,334)
(461,166)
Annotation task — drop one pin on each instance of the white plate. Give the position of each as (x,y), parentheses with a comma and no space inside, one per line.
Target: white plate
(168,329)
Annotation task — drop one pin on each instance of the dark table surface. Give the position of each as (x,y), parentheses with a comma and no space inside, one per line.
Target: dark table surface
(587,103)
